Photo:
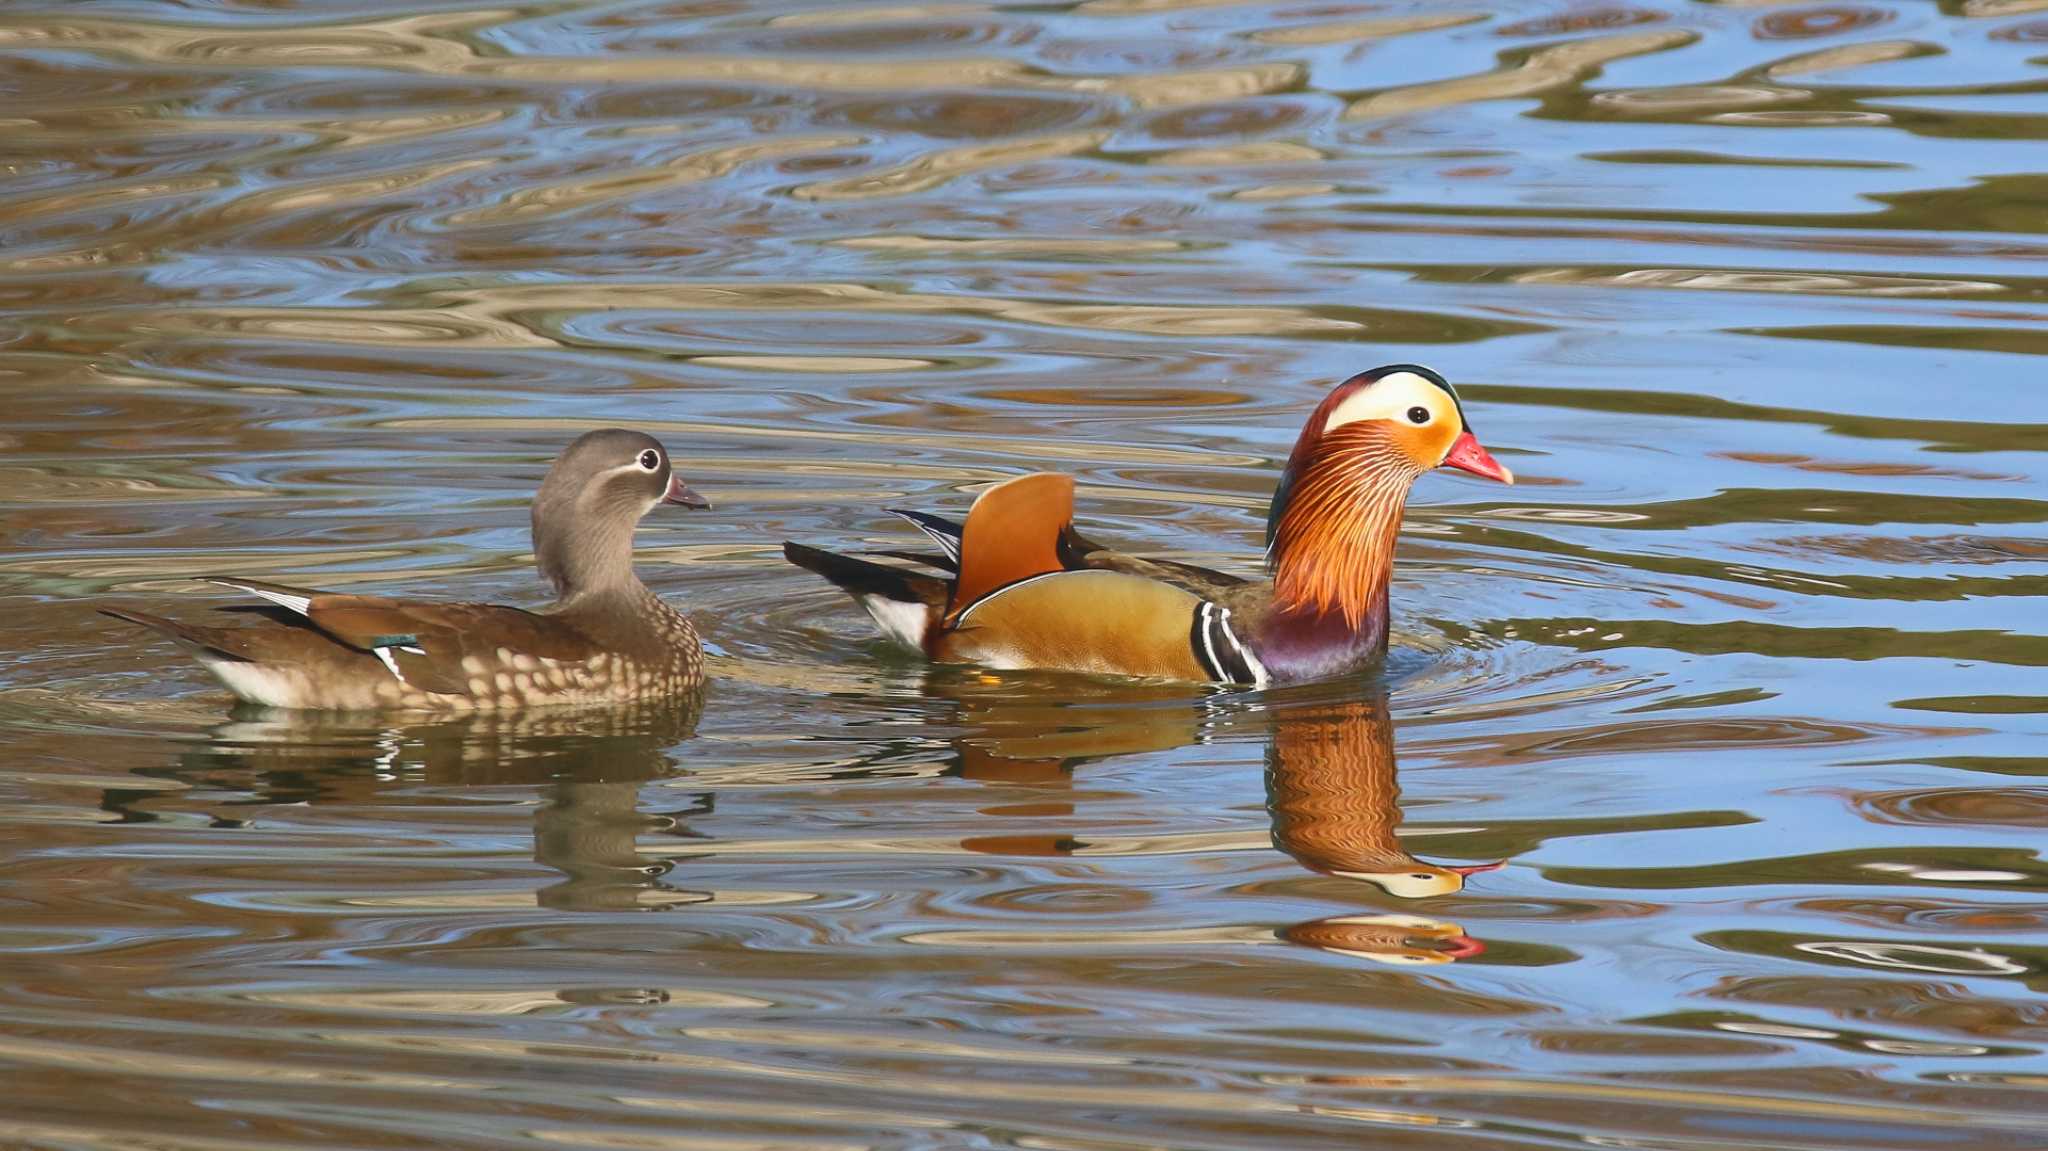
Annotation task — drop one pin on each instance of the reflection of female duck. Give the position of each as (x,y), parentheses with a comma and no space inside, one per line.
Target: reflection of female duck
(591,763)
(1335,804)
(626,744)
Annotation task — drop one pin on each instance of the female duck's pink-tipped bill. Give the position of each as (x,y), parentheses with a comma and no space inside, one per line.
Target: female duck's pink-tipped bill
(1471,869)
(680,493)
(1466,455)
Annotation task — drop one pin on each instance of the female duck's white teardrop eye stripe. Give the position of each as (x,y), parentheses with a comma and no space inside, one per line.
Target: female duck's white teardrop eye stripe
(1389,398)
(638,467)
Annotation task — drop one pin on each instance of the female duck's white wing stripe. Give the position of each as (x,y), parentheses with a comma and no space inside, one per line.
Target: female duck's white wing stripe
(294,603)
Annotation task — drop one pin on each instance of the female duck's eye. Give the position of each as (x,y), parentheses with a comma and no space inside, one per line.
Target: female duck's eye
(1418,415)
(651,459)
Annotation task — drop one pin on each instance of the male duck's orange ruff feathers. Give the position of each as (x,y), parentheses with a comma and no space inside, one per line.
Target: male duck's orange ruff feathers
(608,639)
(1022,588)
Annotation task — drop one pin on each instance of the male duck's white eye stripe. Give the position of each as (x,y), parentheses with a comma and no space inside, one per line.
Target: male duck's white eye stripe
(1390,397)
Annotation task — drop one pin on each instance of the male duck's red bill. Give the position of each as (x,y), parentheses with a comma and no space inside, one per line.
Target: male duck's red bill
(1021,588)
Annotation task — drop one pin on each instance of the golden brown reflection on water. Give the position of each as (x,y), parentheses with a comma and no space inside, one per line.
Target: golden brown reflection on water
(1744,682)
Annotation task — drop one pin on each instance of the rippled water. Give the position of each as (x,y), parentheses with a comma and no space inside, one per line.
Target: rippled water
(1744,681)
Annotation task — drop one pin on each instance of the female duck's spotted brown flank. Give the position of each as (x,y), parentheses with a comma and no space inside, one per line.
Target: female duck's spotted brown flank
(1024,589)
(606,639)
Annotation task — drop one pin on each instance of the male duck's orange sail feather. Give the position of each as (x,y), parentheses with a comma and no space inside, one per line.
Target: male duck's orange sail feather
(1013,533)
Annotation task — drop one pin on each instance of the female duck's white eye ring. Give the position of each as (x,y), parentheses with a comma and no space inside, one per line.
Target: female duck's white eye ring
(1418,415)
(650,460)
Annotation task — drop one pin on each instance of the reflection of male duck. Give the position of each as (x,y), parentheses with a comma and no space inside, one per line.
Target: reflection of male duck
(1330,784)
(1397,939)
(1335,804)
(1034,729)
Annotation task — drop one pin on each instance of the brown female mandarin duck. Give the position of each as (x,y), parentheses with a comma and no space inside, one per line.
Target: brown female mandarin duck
(605,639)
(1025,590)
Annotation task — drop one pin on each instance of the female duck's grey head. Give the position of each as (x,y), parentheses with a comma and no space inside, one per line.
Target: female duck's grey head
(597,490)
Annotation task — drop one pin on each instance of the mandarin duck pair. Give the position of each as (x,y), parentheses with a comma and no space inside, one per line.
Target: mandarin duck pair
(1014,586)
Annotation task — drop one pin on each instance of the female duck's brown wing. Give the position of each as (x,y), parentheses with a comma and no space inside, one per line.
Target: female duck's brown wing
(435,647)
(281,639)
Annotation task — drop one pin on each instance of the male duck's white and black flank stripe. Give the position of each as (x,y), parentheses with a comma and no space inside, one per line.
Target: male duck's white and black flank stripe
(1220,651)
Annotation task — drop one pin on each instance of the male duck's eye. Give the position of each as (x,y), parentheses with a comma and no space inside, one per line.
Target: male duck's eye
(651,459)
(1418,415)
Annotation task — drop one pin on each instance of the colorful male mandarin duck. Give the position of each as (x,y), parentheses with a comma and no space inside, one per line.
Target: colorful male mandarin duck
(1025,590)
(607,639)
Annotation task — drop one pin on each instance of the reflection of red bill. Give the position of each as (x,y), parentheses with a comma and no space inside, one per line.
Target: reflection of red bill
(1400,939)
(1466,455)
(1462,946)
(1471,869)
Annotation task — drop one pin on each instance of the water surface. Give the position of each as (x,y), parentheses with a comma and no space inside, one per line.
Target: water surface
(1744,681)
